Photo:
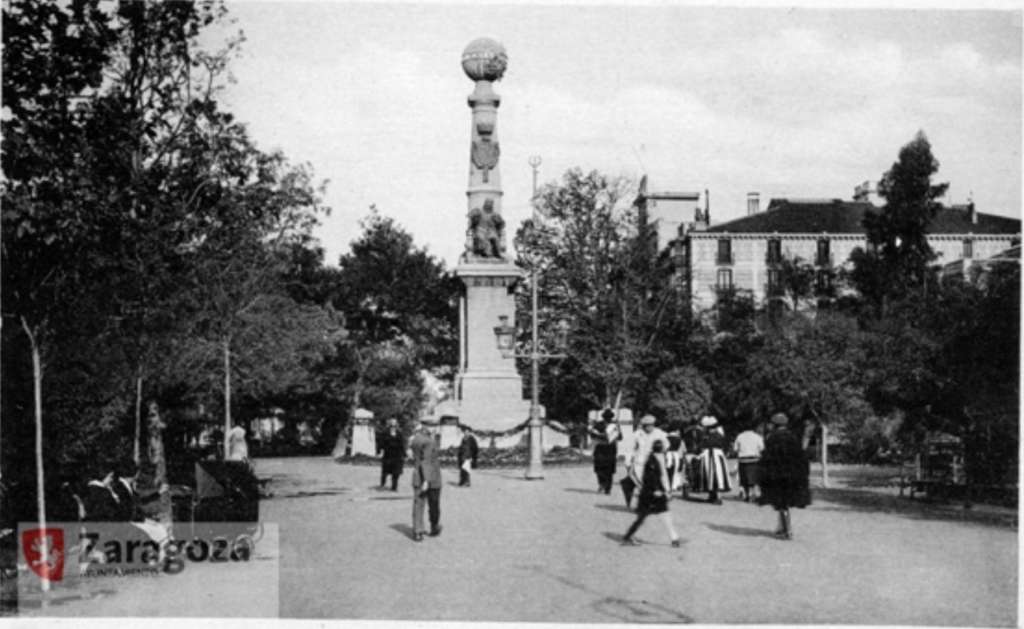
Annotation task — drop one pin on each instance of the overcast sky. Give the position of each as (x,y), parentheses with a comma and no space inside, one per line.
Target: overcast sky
(785,102)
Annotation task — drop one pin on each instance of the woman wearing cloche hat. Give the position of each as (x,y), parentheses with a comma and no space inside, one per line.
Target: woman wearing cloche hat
(785,474)
(714,470)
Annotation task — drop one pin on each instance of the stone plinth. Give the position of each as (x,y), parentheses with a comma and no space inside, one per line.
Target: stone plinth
(449,432)
(364,437)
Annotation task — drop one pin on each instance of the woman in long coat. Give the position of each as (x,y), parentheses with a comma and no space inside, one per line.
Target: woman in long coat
(785,474)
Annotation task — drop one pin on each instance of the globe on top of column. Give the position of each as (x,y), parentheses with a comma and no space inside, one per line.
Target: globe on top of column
(484,60)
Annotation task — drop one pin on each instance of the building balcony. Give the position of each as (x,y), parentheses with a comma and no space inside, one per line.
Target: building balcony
(723,258)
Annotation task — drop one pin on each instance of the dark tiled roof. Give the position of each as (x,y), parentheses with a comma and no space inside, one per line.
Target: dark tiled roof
(787,216)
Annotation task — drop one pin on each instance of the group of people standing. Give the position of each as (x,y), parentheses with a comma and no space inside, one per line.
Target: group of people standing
(658,466)
(426,475)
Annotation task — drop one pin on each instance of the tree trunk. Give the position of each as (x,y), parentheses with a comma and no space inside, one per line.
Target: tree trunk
(227,394)
(37,394)
(138,419)
(824,455)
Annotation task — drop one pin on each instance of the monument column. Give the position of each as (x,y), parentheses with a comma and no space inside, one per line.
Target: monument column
(488,391)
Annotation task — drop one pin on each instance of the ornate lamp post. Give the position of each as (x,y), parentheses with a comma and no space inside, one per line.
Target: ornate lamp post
(506,335)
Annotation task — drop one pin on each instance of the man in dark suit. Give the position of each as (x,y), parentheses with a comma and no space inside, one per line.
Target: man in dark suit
(391,448)
(426,482)
(468,450)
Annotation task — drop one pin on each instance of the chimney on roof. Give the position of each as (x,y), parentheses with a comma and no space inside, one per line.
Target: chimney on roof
(972,215)
(753,203)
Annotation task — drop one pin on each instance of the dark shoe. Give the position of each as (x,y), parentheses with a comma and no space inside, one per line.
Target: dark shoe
(629,541)
(676,543)
(435,532)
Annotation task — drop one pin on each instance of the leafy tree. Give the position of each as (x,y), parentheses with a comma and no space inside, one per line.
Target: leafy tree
(796,279)
(597,270)
(681,395)
(810,371)
(53,56)
(390,289)
(898,253)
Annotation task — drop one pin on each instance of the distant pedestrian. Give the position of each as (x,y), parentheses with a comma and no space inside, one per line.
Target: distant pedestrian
(426,482)
(714,469)
(785,474)
(468,450)
(654,493)
(606,451)
(391,448)
(749,445)
(675,461)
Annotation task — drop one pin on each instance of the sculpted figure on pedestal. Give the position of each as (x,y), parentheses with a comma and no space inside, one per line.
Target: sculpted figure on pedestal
(485,237)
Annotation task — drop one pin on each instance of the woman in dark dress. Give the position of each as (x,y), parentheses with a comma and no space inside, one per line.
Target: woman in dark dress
(606,453)
(654,493)
(785,474)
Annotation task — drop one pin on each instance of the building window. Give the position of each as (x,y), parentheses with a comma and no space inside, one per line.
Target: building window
(724,251)
(824,253)
(823,281)
(724,279)
(968,248)
(774,282)
(774,251)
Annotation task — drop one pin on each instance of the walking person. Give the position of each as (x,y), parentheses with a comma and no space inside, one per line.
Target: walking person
(426,482)
(654,493)
(643,441)
(468,450)
(714,470)
(785,474)
(391,448)
(748,446)
(606,451)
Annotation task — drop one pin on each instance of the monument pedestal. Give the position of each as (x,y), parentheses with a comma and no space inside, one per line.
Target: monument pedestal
(488,392)
(364,437)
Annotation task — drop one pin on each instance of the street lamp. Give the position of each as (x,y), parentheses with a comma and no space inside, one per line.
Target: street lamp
(505,334)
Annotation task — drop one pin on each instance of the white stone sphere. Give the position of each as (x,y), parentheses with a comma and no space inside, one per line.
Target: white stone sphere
(484,60)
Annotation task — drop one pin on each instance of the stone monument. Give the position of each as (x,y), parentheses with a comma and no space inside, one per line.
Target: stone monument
(488,392)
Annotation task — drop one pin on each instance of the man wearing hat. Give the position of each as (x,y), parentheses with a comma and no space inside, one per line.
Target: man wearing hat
(391,447)
(714,470)
(642,446)
(785,474)
(426,482)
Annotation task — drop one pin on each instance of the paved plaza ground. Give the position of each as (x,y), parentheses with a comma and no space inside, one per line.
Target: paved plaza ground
(548,551)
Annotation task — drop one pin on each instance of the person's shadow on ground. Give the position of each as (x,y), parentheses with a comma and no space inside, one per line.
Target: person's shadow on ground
(739,530)
(404,529)
(606,507)
(577,490)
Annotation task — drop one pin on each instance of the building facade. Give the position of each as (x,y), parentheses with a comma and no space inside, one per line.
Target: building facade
(744,254)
